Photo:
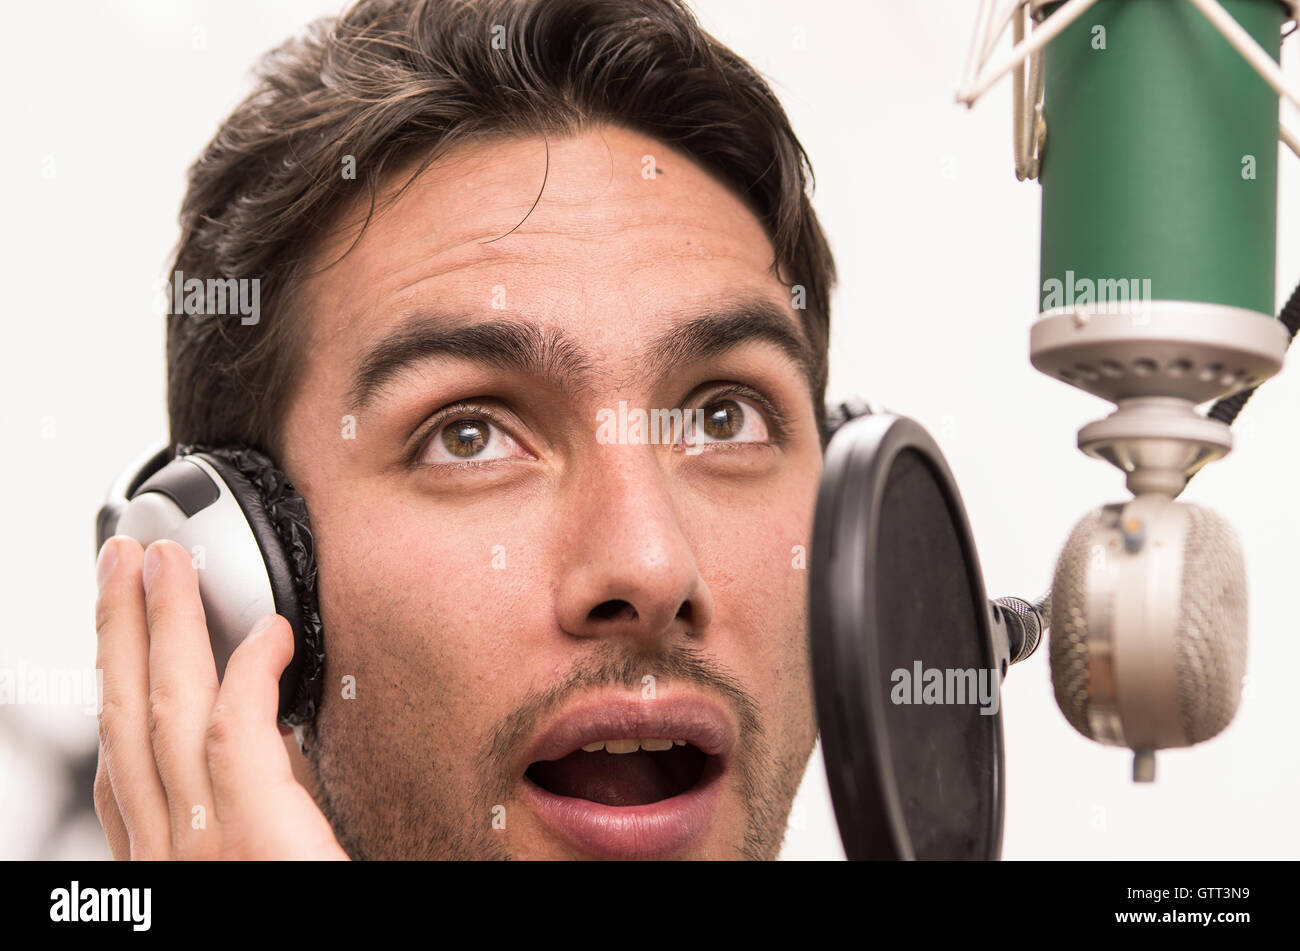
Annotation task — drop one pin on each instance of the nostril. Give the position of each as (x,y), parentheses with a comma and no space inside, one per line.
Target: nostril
(614,610)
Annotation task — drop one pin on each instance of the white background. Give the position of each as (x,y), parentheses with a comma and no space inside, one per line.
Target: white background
(106,105)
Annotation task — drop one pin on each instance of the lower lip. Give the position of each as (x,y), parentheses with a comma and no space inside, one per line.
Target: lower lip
(657,830)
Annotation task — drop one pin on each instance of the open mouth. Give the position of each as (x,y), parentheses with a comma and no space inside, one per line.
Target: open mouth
(621,777)
(626,772)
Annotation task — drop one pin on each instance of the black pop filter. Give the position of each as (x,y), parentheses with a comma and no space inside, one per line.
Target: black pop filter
(897,592)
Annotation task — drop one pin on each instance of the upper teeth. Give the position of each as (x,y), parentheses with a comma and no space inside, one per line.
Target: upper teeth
(631,746)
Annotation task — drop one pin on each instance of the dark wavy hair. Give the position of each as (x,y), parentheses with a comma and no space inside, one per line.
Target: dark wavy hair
(393,81)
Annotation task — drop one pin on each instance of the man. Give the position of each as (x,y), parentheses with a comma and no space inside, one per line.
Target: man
(488,235)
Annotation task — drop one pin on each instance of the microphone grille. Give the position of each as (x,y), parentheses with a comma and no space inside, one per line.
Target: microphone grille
(1211,636)
(1068,644)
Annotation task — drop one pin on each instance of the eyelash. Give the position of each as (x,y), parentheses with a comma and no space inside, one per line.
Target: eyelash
(777,423)
(431,428)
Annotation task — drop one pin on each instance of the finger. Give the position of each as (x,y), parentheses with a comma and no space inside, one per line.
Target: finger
(110,818)
(182,690)
(246,754)
(122,654)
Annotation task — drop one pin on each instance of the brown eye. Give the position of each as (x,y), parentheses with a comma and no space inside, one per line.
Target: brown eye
(728,419)
(469,439)
(466,438)
(722,420)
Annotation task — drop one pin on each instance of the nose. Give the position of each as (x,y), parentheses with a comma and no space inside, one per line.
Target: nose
(628,570)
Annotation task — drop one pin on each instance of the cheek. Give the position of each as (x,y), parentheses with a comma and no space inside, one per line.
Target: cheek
(755,561)
(757,570)
(448,604)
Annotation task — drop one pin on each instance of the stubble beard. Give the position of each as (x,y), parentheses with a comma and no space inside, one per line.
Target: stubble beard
(393,808)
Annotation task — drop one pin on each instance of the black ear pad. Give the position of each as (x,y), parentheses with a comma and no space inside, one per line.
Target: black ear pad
(278,517)
(840,412)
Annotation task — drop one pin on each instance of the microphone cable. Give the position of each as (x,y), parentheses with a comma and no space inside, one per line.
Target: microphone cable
(1226,409)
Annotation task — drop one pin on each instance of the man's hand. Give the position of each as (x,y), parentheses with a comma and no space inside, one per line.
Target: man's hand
(189,768)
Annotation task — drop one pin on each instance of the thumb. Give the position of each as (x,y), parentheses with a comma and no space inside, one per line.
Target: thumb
(246,754)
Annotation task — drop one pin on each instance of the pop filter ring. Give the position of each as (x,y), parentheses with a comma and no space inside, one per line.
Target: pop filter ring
(847,679)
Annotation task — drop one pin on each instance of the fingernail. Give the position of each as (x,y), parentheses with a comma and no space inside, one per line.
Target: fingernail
(152,562)
(106,562)
(261,625)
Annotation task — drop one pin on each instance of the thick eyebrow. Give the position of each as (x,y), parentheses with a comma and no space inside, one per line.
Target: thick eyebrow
(514,345)
(714,333)
(525,347)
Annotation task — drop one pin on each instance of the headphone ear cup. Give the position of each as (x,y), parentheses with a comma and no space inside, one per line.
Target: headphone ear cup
(840,412)
(278,517)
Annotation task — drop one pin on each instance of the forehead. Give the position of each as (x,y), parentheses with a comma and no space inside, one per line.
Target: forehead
(606,234)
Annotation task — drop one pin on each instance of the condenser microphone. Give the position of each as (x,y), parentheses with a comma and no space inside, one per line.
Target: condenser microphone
(1152,127)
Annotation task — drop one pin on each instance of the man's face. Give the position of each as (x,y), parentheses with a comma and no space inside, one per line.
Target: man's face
(508,570)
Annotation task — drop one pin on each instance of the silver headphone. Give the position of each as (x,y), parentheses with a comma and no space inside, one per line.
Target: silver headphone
(249,535)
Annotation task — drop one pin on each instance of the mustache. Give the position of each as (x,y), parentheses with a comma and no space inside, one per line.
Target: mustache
(614,666)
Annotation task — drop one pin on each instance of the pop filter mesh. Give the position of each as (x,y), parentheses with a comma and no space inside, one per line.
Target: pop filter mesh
(943,754)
